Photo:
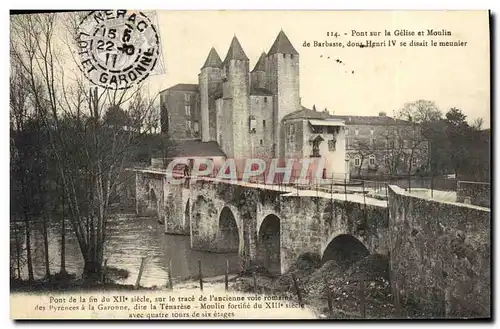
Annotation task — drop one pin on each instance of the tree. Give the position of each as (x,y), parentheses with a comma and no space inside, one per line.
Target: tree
(21,168)
(429,117)
(458,132)
(477,124)
(362,150)
(416,151)
(115,116)
(455,117)
(88,154)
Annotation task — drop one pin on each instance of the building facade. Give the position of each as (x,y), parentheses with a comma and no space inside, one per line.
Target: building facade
(317,135)
(240,109)
(384,146)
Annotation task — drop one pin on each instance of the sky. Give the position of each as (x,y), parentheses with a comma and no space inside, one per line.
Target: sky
(368,80)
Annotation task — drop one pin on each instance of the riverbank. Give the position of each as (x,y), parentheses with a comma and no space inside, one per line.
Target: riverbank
(68,282)
(309,279)
(332,289)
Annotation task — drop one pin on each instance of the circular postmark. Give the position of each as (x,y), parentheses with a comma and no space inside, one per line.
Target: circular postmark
(117,48)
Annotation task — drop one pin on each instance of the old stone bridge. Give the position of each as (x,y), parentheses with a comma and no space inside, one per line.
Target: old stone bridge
(438,250)
(268,225)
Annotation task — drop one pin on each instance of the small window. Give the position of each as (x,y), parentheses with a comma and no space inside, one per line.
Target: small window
(284,55)
(264,123)
(371,131)
(252,124)
(291,56)
(261,142)
(347,131)
(196,127)
(356,132)
(372,160)
(357,162)
(187,98)
(188,110)
(265,99)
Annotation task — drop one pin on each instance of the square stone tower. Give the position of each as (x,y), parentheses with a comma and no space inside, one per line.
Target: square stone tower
(282,68)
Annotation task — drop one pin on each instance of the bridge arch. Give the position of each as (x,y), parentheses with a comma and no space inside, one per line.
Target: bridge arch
(230,232)
(269,243)
(344,249)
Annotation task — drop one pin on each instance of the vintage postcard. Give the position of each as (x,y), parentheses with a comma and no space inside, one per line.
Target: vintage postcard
(250,165)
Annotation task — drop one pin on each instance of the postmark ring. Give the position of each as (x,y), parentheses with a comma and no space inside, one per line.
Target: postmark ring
(118,48)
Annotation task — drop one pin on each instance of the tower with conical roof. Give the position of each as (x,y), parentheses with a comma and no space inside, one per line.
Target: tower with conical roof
(283,81)
(258,75)
(236,102)
(209,79)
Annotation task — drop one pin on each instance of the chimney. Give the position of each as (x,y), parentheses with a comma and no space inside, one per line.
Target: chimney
(382,114)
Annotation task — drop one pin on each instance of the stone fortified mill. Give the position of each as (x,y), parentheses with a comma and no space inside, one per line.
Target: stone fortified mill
(242,110)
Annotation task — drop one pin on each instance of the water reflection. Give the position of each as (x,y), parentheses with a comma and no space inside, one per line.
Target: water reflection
(130,239)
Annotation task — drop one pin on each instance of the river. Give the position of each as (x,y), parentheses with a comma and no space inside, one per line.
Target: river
(129,239)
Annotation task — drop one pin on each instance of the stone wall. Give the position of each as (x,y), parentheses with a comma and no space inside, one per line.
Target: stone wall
(439,255)
(176,199)
(306,224)
(261,107)
(208,200)
(145,205)
(309,224)
(239,78)
(478,193)
(175,108)
(284,82)
(208,80)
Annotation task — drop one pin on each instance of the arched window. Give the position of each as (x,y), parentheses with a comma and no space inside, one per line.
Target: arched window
(372,160)
(357,161)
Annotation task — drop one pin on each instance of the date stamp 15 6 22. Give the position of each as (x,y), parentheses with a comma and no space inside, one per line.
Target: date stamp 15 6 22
(117,48)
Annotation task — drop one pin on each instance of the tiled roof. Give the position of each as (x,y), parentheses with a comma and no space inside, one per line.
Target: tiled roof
(193,148)
(260,63)
(213,59)
(282,45)
(183,87)
(306,113)
(370,120)
(235,51)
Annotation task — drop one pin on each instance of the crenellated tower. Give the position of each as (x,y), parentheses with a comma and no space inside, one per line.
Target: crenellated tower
(209,80)
(282,67)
